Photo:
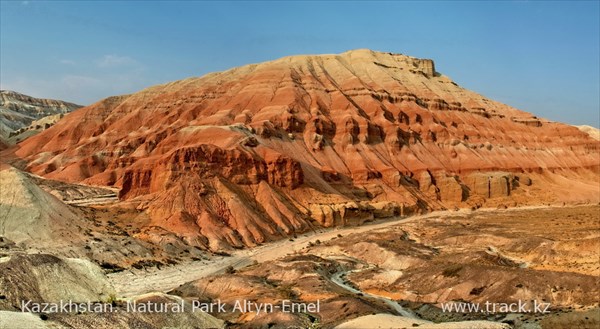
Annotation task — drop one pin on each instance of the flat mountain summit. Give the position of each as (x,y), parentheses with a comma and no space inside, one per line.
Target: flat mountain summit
(264,151)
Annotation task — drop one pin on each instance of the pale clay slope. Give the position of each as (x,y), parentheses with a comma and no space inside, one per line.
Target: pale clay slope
(46,278)
(389,321)
(53,279)
(28,213)
(19,320)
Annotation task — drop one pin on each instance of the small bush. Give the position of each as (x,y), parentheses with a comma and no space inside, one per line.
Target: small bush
(112,299)
(452,271)
(477,291)
(286,291)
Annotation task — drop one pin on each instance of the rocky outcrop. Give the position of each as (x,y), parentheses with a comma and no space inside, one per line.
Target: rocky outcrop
(490,185)
(427,67)
(205,161)
(353,213)
(285,172)
(261,151)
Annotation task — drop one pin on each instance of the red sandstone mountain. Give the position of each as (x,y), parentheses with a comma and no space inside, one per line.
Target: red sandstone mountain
(265,150)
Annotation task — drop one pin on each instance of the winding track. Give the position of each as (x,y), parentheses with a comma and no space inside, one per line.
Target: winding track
(136,282)
(339,278)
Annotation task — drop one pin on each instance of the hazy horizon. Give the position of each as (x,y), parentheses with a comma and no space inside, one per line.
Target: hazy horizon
(540,57)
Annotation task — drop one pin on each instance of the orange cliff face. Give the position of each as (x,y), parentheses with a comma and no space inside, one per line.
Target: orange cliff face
(254,153)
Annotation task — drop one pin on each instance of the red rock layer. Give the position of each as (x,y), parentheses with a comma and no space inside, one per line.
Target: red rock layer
(247,155)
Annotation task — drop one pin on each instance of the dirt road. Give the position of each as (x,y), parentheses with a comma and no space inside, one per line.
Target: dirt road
(135,282)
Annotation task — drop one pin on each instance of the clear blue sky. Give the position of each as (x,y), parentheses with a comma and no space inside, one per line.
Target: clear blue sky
(541,57)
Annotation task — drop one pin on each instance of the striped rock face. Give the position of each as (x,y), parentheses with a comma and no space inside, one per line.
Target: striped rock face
(258,152)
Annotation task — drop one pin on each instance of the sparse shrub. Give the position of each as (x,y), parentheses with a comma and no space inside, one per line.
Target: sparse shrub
(286,291)
(141,264)
(110,267)
(477,291)
(112,299)
(229,270)
(452,270)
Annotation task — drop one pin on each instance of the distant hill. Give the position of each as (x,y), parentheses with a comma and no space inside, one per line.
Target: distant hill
(22,116)
(593,132)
